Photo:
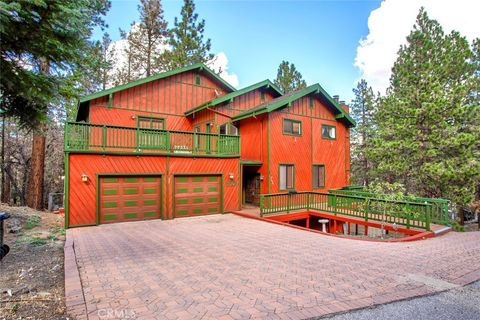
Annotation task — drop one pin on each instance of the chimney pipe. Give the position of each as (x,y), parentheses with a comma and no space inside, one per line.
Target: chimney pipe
(336,97)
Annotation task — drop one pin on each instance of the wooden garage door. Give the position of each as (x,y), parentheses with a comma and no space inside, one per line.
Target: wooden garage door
(197,195)
(129,198)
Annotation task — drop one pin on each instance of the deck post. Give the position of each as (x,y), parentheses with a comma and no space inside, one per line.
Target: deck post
(288,203)
(427,216)
(104,137)
(262,198)
(367,205)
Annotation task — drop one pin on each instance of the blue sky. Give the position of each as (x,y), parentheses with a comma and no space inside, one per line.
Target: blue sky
(319,37)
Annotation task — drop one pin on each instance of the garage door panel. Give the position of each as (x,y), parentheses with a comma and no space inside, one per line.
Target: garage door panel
(129,198)
(197,195)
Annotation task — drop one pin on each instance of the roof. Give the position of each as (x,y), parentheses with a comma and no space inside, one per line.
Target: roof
(197,66)
(286,99)
(263,84)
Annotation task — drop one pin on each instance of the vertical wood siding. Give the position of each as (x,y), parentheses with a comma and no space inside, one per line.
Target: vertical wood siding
(170,96)
(244,102)
(309,148)
(82,196)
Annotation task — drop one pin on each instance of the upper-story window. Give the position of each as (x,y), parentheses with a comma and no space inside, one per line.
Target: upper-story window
(150,123)
(198,80)
(329,132)
(229,129)
(292,127)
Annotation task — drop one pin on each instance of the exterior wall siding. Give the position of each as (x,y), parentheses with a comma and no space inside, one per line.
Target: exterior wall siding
(82,200)
(244,102)
(169,96)
(308,149)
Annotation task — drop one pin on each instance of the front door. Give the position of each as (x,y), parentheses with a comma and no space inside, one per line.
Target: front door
(252,188)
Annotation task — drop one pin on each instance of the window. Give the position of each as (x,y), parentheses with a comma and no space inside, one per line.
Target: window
(292,127)
(318,176)
(229,129)
(262,96)
(198,80)
(311,103)
(329,132)
(150,123)
(286,176)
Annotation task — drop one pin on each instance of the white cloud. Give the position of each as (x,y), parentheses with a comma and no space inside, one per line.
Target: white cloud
(390,24)
(220,64)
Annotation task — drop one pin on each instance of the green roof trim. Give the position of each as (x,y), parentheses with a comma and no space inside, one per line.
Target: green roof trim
(200,66)
(265,83)
(287,99)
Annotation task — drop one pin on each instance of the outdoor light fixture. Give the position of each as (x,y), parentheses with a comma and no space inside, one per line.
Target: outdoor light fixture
(84,178)
(133,117)
(261,178)
(230,175)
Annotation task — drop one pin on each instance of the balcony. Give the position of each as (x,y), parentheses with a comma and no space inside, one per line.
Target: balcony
(106,139)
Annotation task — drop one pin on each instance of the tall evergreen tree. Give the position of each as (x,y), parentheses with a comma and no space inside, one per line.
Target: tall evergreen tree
(187,45)
(428,123)
(362,109)
(148,38)
(289,78)
(43,44)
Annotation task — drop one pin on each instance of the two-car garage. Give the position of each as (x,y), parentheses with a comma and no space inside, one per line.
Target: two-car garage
(140,197)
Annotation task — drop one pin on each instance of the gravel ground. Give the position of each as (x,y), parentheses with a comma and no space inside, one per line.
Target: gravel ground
(460,303)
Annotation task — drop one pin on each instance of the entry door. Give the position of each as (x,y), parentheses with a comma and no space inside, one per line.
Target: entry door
(129,198)
(252,189)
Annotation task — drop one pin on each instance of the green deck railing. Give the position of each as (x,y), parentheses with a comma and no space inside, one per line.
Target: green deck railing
(94,138)
(438,214)
(409,214)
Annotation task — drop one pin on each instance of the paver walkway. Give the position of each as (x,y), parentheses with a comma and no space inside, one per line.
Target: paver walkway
(229,267)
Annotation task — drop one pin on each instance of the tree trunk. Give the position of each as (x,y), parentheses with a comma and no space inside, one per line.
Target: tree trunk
(36,174)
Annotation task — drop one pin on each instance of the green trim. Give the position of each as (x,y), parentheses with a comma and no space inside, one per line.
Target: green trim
(150,214)
(149,179)
(110,217)
(212,199)
(182,211)
(66,188)
(182,190)
(110,180)
(293,178)
(197,189)
(131,179)
(131,191)
(210,210)
(291,133)
(182,201)
(328,126)
(149,202)
(251,163)
(212,189)
(129,215)
(112,204)
(198,200)
(230,96)
(199,66)
(211,178)
(324,176)
(130,203)
(179,155)
(182,179)
(109,192)
(289,98)
(268,154)
(197,179)
(149,190)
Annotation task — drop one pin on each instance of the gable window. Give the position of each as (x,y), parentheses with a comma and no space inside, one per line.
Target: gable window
(292,127)
(311,103)
(262,96)
(318,176)
(150,123)
(286,176)
(329,132)
(198,80)
(229,129)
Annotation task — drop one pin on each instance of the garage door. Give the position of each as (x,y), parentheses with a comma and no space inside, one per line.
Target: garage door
(197,195)
(129,198)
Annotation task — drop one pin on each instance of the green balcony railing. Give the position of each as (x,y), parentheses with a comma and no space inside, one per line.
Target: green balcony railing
(94,138)
(409,214)
(439,209)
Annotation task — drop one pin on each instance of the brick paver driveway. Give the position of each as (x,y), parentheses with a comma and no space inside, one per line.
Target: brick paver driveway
(224,267)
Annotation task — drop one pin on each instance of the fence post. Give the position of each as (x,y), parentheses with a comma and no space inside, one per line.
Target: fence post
(427,216)
(367,207)
(218,143)
(288,202)
(137,139)
(104,137)
(334,200)
(262,205)
(167,145)
(308,201)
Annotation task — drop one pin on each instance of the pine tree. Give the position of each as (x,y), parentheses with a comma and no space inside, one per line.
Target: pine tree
(428,133)
(362,109)
(289,78)
(148,38)
(187,45)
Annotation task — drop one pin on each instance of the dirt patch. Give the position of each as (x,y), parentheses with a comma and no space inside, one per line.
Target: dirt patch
(32,274)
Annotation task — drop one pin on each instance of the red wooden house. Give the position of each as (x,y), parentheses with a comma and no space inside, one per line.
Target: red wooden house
(186,143)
